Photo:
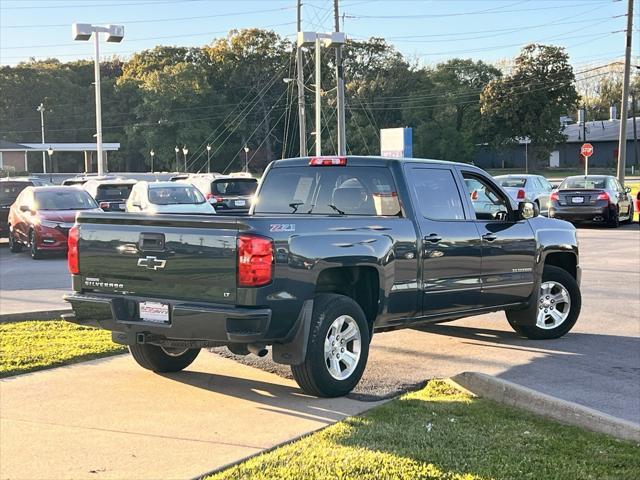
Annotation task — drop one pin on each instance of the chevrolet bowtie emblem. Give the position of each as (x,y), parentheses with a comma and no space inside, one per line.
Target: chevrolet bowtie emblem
(151,263)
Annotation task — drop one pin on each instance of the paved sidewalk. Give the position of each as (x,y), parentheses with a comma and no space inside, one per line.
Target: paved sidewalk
(110,418)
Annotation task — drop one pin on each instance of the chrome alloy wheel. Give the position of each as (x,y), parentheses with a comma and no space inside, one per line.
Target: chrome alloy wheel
(342,347)
(553,306)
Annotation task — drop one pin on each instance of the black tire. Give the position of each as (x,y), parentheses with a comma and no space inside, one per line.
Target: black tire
(14,245)
(313,375)
(33,246)
(614,218)
(516,318)
(160,360)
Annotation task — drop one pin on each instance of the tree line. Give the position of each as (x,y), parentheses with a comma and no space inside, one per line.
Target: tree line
(238,91)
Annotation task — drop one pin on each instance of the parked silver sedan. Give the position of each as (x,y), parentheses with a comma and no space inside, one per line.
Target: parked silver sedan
(530,188)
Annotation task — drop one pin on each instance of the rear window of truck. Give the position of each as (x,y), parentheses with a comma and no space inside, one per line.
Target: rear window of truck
(329,191)
(9,191)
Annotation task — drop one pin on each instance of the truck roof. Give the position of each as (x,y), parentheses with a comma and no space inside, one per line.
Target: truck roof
(360,161)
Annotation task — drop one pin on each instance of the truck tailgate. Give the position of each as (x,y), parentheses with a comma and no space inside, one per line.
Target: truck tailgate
(186,257)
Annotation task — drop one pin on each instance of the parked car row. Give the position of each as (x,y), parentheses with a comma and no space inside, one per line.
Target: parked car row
(37,215)
(578,199)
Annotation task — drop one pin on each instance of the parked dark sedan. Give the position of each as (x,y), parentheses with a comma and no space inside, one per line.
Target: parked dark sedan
(592,198)
(10,188)
(41,217)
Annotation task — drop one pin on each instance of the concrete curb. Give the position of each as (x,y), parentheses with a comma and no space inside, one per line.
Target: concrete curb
(508,393)
(38,315)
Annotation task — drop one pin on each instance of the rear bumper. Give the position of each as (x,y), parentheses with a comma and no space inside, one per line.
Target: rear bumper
(188,321)
(580,214)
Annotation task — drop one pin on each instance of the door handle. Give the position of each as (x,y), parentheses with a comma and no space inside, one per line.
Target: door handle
(489,237)
(432,238)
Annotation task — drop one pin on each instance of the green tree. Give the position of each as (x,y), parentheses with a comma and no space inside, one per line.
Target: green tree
(530,101)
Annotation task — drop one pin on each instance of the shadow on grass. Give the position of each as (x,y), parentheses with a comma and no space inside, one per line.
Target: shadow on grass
(439,433)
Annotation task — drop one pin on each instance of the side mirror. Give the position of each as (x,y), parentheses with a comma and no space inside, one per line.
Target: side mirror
(528,210)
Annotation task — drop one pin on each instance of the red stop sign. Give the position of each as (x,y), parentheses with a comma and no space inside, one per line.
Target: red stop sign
(586,150)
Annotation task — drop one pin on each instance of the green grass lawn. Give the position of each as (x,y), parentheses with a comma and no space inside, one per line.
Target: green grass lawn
(441,433)
(34,345)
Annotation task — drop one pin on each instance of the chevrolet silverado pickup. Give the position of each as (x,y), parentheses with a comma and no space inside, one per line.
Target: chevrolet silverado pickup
(333,250)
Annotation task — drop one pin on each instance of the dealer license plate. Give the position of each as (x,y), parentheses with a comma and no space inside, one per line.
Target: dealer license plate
(240,203)
(155,312)
(577,200)
(122,206)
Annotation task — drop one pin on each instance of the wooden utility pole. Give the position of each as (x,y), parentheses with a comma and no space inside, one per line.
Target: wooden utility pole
(622,143)
(300,82)
(342,146)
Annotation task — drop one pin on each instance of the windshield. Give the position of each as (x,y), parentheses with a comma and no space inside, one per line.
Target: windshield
(9,191)
(513,182)
(583,183)
(71,199)
(113,192)
(329,191)
(175,195)
(245,187)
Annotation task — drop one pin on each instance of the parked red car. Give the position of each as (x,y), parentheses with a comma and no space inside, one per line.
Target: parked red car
(41,217)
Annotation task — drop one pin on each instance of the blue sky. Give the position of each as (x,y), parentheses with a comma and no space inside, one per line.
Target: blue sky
(428,31)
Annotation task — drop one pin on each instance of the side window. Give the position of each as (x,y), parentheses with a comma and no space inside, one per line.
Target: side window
(437,194)
(488,203)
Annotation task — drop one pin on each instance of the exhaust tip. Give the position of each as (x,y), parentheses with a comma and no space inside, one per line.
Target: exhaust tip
(258,350)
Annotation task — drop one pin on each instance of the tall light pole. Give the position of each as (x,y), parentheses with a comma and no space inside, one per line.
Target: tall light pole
(319,40)
(622,143)
(152,153)
(44,156)
(246,159)
(342,145)
(177,150)
(302,116)
(115,34)
(185,150)
(50,152)
(208,158)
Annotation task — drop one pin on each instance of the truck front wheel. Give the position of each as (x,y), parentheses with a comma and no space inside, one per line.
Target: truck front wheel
(337,350)
(162,360)
(556,310)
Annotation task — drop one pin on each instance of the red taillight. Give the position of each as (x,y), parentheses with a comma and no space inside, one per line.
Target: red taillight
(72,254)
(255,261)
(211,196)
(554,196)
(604,196)
(104,205)
(328,161)
(520,195)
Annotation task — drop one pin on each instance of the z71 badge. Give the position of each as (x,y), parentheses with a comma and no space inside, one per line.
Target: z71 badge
(282,227)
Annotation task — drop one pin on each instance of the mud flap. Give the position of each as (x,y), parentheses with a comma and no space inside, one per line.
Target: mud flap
(294,351)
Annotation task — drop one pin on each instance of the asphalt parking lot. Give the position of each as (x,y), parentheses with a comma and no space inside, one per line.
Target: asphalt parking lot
(596,365)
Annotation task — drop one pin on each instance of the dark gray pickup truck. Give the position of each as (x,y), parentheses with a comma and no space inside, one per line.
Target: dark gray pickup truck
(333,250)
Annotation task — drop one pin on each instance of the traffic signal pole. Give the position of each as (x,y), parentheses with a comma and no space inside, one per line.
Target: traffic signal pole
(622,143)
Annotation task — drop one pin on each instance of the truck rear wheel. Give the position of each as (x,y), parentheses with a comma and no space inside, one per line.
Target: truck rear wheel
(556,310)
(162,360)
(338,347)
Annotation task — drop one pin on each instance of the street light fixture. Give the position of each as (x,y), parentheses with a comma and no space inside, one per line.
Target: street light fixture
(246,159)
(177,150)
(115,34)
(44,157)
(185,150)
(208,158)
(333,39)
(50,152)
(152,153)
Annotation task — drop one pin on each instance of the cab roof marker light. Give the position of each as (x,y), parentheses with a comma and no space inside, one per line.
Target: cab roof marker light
(328,161)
